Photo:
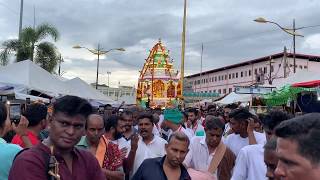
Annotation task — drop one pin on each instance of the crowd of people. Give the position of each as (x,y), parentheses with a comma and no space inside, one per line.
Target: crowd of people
(71,140)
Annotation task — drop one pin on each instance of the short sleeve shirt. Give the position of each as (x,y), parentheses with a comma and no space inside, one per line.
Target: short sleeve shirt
(32,165)
(32,137)
(7,154)
(235,142)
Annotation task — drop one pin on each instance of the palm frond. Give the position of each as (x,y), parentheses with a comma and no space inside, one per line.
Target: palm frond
(8,47)
(47,56)
(45,30)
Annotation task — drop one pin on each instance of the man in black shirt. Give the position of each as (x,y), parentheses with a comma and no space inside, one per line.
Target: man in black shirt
(169,166)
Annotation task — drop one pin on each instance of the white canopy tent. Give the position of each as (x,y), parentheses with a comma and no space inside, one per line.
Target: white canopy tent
(26,74)
(235,98)
(84,90)
(22,77)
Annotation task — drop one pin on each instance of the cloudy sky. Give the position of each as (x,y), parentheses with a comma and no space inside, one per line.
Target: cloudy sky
(225,27)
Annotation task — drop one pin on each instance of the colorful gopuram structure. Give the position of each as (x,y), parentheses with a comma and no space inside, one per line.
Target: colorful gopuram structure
(158,84)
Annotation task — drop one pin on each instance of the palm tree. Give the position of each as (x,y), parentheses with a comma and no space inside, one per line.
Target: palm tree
(31,46)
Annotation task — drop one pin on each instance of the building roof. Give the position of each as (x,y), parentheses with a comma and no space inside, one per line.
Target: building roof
(258,60)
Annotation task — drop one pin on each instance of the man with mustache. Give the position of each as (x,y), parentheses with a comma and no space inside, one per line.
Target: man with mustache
(169,166)
(298,148)
(106,152)
(208,155)
(127,120)
(250,160)
(114,130)
(149,145)
(66,127)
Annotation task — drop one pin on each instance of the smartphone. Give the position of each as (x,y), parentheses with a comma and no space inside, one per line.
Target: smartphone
(28,101)
(15,112)
(4,98)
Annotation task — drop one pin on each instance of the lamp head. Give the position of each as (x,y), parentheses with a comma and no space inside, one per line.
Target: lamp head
(77,47)
(120,49)
(261,20)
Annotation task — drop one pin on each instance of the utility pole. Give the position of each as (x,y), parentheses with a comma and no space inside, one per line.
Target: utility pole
(34,17)
(98,66)
(294,46)
(285,62)
(201,68)
(60,61)
(21,16)
(108,73)
(270,66)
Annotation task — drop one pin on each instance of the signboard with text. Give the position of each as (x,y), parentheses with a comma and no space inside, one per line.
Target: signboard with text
(253,89)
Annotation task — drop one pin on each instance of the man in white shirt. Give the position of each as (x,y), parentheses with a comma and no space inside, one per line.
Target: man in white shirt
(113,131)
(226,111)
(173,120)
(203,150)
(149,145)
(243,127)
(250,160)
(194,124)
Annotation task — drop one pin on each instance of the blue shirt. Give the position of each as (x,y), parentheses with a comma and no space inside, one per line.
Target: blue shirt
(153,169)
(7,154)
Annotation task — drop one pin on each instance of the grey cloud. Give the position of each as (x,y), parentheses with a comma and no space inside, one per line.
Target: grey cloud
(226,29)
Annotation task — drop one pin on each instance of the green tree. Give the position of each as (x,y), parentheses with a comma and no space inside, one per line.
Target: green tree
(31,46)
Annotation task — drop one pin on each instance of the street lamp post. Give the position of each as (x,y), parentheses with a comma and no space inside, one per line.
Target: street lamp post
(183,46)
(108,73)
(98,52)
(291,31)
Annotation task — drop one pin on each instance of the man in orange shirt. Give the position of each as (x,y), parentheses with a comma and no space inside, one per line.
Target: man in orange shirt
(36,114)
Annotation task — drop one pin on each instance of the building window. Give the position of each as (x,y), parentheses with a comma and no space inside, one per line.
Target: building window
(222,78)
(219,78)
(255,71)
(300,66)
(279,65)
(306,67)
(215,79)
(249,72)
(230,90)
(245,73)
(229,76)
(241,74)
(206,80)
(260,70)
(214,91)
(232,75)
(210,91)
(265,70)
(236,75)
(226,77)
(224,91)
(219,91)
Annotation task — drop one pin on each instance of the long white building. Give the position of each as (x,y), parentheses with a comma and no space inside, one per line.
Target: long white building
(262,70)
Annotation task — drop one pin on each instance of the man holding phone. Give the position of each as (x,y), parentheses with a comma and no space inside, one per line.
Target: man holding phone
(242,125)
(8,151)
(149,145)
(36,115)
